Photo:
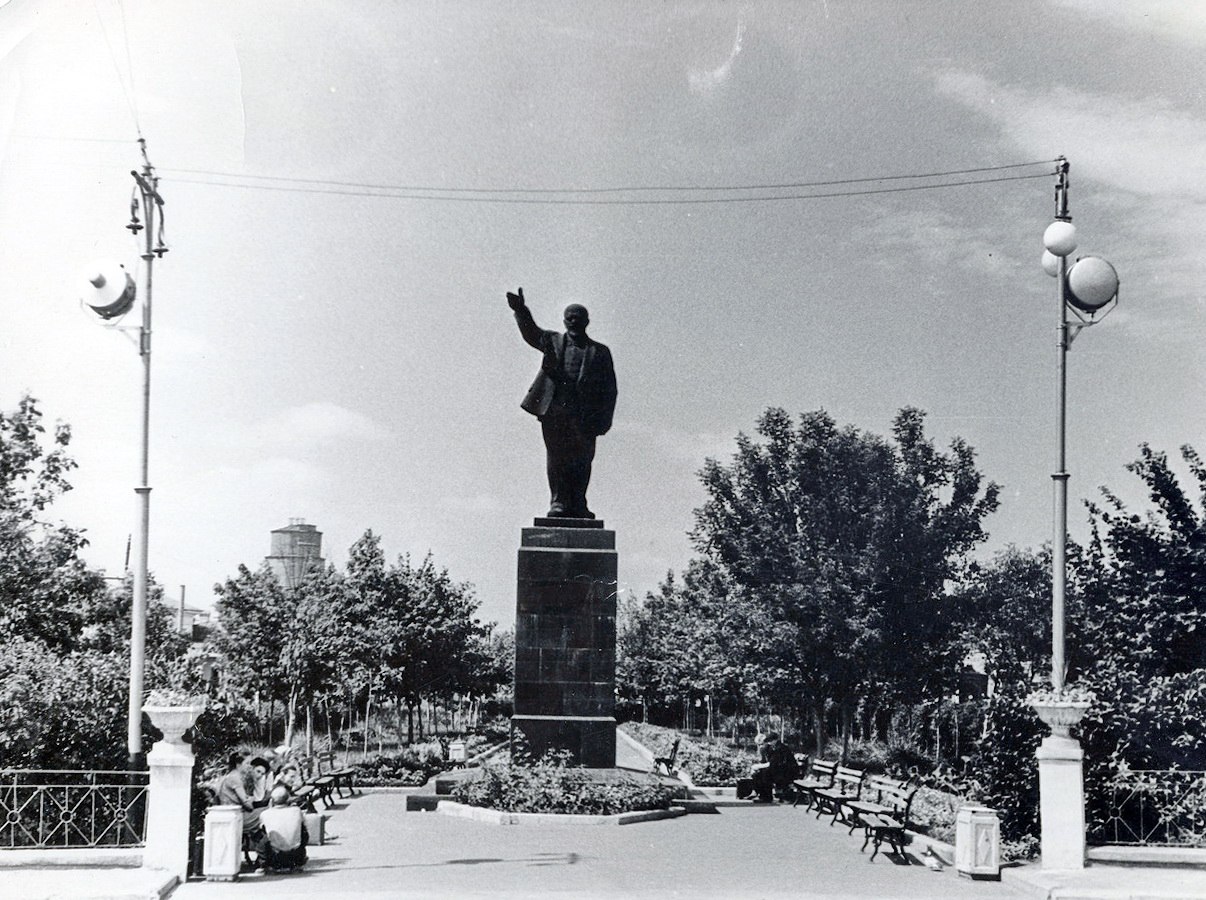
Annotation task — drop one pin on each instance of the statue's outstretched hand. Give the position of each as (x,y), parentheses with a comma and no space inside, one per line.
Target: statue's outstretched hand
(515,301)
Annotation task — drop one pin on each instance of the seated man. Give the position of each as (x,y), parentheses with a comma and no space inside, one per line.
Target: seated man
(284,842)
(776,769)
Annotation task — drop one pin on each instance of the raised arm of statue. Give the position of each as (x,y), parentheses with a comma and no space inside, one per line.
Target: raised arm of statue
(531,332)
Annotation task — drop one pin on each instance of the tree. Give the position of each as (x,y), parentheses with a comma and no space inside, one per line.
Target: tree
(45,587)
(848,540)
(1138,633)
(1002,611)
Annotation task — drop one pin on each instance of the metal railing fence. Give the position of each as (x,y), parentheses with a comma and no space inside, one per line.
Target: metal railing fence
(1151,807)
(54,808)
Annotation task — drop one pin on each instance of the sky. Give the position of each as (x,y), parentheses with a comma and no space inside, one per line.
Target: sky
(331,339)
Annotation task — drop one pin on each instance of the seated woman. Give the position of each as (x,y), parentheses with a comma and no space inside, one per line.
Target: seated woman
(284,843)
(235,789)
(262,780)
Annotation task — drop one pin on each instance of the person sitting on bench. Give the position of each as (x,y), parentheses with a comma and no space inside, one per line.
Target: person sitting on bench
(775,770)
(284,843)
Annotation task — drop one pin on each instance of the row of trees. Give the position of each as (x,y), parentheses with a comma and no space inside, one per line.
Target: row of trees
(819,584)
(404,632)
(834,586)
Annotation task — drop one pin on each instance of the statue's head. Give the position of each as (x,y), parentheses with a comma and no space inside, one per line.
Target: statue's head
(576,319)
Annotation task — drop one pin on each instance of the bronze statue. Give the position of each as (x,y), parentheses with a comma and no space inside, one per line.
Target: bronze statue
(574,396)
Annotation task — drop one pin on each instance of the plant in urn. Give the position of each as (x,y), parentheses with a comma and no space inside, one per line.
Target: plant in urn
(1061,708)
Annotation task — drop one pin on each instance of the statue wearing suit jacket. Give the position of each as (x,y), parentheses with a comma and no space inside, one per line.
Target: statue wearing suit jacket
(574,396)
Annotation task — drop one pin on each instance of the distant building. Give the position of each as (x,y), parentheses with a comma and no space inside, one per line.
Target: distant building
(296,549)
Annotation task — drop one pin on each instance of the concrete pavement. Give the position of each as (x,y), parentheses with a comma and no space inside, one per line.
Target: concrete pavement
(379,851)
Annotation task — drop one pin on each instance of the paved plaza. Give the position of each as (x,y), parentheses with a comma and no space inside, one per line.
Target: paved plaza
(378,850)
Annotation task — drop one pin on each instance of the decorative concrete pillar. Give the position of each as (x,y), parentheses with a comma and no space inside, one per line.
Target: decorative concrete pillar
(170,791)
(1062,802)
(1061,780)
(565,641)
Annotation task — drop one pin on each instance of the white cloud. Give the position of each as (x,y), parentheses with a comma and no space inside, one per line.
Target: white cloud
(317,423)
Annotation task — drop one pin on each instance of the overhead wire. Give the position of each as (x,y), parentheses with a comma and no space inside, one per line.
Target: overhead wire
(790,185)
(121,80)
(540,196)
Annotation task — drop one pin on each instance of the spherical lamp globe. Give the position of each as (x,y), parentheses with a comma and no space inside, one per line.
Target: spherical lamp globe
(1092,283)
(1060,238)
(1050,263)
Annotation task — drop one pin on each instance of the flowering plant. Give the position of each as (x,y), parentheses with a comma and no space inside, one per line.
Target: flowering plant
(1065,696)
(171,696)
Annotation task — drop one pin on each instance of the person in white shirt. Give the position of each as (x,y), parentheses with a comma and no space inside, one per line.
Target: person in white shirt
(285,836)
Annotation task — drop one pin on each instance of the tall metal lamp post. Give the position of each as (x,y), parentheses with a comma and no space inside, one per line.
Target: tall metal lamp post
(110,293)
(1086,292)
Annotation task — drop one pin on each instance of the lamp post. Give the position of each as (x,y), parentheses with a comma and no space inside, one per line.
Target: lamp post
(111,294)
(1086,291)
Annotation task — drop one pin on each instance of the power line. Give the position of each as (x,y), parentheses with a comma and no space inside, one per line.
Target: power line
(791,185)
(462,194)
(117,69)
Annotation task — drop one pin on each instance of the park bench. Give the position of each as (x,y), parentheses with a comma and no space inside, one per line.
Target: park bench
(881,796)
(318,785)
(342,778)
(667,762)
(819,775)
(847,785)
(890,817)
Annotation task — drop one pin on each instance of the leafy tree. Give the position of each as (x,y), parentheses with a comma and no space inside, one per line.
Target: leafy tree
(1002,611)
(1138,636)
(848,540)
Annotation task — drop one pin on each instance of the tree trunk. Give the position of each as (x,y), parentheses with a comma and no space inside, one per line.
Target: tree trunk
(818,728)
(847,716)
(309,728)
(291,717)
(368,705)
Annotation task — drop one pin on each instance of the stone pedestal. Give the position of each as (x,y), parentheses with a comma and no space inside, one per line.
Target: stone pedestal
(565,641)
(169,791)
(223,843)
(1062,802)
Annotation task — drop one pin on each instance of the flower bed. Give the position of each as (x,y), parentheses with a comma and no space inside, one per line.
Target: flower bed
(553,786)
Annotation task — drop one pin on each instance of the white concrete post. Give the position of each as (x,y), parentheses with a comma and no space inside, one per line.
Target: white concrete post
(170,796)
(1062,802)
(223,843)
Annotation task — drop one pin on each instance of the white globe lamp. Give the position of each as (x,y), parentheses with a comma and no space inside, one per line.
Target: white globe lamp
(1092,283)
(1060,238)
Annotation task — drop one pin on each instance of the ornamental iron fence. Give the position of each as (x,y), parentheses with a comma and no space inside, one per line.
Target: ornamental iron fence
(54,808)
(1152,807)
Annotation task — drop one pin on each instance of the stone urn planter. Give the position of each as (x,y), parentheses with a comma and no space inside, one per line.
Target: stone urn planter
(1061,709)
(174,717)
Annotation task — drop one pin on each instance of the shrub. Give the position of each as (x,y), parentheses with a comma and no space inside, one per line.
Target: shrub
(411,766)
(551,785)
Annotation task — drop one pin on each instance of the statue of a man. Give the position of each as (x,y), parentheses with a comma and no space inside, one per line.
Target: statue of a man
(574,396)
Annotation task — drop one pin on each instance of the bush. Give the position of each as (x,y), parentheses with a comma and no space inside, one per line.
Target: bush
(412,766)
(553,786)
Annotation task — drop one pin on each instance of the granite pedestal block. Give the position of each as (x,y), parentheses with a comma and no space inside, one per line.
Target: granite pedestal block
(565,641)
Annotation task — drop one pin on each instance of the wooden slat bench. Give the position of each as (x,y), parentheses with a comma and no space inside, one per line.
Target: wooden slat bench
(820,775)
(880,795)
(341,778)
(890,817)
(667,762)
(847,785)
